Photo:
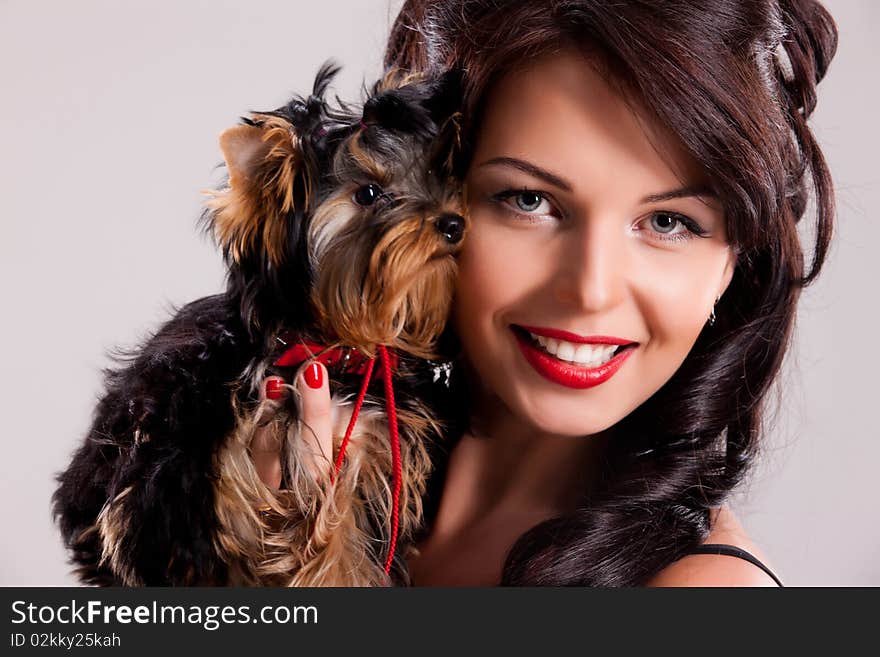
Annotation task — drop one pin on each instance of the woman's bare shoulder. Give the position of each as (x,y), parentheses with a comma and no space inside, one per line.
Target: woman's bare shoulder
(714,569)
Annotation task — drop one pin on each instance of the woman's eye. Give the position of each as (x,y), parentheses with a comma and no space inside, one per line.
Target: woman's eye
(525,201)
(665,222)
(671,226)
(529,201)
(366,195)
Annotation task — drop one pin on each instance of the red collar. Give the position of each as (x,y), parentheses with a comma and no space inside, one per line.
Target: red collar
(303,350)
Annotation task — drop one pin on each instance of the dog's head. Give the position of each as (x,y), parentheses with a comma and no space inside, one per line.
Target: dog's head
(346,220)
(382,244)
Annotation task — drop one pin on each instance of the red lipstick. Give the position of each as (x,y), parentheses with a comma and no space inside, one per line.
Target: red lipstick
(569,374)
(574,337)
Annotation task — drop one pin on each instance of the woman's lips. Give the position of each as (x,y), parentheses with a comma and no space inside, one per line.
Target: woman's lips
(559,334)
(568,374)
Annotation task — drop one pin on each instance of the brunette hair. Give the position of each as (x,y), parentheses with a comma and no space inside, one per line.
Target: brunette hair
(736,82)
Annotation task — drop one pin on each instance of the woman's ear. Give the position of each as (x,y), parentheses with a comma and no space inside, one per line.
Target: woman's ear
(729,268)
(267,179)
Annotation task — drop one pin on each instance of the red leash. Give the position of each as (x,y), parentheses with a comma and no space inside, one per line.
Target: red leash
(391,411)
(301,352)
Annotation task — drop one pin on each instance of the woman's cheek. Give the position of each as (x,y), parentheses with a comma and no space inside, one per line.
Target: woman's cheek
(493,267)
(675,297)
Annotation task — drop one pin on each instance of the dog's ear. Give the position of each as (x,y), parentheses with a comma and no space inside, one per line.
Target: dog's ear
(400,101)
(444,106)
(445,157)
(445,97)
(267,180)
(243,149)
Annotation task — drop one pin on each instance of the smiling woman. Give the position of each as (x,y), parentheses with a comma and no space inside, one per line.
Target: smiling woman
(634,175)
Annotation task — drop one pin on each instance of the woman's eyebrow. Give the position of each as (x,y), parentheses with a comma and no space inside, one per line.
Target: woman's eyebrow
(681,192)
(531,169)
(561,183)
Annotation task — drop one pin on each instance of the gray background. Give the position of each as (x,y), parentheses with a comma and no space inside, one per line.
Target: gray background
(108,130)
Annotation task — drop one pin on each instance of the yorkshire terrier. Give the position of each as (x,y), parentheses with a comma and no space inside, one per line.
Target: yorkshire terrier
(339,228)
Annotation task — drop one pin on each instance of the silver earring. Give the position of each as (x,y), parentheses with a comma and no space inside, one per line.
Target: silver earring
(443,369)
(712,316)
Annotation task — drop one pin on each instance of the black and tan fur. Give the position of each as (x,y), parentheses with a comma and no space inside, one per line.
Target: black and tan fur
(163,490)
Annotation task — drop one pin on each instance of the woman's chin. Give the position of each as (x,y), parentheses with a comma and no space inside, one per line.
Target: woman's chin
(563,421)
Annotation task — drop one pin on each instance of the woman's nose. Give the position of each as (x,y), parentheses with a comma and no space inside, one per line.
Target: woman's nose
(593,270)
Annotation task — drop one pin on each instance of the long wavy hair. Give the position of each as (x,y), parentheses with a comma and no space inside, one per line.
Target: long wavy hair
(736,82)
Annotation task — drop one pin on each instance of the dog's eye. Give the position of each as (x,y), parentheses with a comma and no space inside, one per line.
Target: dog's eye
(368,194)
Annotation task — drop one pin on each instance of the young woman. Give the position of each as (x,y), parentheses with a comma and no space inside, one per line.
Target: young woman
(635,173)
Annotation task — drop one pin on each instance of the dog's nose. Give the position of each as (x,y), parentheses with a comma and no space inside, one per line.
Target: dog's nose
(451,226)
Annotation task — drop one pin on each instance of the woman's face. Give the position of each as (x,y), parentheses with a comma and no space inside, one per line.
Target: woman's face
(588,219)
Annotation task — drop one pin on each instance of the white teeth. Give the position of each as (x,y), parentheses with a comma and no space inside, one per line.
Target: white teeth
(584,354)
(565,351)
(581,354)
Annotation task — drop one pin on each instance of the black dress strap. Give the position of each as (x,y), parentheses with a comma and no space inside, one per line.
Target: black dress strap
(733,551)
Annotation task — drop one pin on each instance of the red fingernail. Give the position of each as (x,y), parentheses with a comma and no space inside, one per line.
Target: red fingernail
(314,376)
(274,389)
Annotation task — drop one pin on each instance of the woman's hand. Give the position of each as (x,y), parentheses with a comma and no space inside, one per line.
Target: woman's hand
(317,424)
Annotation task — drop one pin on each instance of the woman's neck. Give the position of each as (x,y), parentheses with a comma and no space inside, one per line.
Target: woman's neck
(503,468)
